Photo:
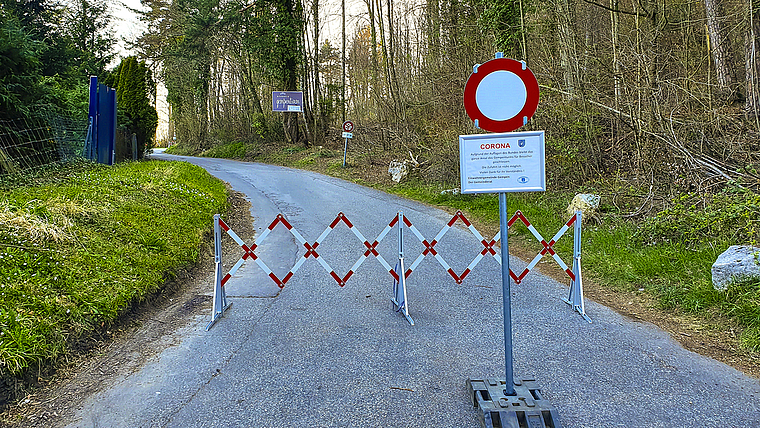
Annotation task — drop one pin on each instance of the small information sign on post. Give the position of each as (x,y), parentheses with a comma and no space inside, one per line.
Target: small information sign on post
(507,162)
(348,128)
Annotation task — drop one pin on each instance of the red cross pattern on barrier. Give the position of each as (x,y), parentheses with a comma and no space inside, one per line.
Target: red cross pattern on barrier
(311,250)
(548,247)
(489,247)
(430,247)
(370,248)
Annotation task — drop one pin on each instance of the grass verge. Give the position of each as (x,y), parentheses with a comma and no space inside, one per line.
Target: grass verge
(86,243)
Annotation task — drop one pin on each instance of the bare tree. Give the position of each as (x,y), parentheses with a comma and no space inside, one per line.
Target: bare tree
(721,50)
(752,64)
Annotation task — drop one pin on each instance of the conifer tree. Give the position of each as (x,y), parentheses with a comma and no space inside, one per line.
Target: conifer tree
(132,80)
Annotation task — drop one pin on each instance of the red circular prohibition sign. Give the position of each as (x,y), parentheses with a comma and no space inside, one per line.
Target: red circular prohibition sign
(531,98)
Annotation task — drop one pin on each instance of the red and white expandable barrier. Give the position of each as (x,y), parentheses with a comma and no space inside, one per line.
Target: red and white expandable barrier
(430,247)
(575,299)
(311,251)
(399,274)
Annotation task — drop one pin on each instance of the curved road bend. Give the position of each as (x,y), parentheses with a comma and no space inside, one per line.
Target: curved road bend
(318,355)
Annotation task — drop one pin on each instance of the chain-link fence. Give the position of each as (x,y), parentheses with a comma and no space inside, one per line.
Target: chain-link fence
(30,144)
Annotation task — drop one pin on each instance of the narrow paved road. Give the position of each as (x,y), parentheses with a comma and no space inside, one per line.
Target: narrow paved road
(318,355)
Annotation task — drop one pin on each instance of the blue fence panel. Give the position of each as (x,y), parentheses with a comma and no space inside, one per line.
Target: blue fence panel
(102,133)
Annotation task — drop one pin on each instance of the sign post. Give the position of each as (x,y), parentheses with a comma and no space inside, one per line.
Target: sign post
(501,96)
(509,385)
(348,129)
(501,163)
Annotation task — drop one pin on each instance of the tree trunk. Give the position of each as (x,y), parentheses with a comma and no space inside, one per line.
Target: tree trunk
(615,33)
(316,111)
(373,41)
(386,60)
(391,60)
(290,78)
(752,65)
(568,56)
(433,42)
(721,51)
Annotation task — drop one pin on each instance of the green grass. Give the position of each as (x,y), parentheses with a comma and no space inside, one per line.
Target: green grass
(79,248)
(235,150)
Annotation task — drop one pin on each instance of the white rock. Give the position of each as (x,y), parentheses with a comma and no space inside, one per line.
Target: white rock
(737,263)
(398,170)
(586,203)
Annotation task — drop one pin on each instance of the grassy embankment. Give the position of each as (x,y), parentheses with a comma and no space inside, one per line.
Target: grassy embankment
(86,243)
(664,257)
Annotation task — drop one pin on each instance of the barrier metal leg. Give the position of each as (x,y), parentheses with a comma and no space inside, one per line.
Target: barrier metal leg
(575,298)
(220,297)
(399,287)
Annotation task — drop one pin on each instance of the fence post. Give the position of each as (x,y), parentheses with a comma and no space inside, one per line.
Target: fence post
(220,297)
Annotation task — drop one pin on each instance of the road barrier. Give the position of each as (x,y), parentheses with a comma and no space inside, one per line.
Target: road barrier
(399,273)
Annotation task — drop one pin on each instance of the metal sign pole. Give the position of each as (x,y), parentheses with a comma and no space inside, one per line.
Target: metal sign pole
(345,149)
(507,297)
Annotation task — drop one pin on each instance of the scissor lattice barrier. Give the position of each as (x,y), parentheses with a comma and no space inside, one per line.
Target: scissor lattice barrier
(548,247)
(311,250)
(398,273)
(430,247)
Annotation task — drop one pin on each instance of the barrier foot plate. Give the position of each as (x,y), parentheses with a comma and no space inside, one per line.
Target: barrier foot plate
(402,309)
(577,309)
(217,316)
(526,409)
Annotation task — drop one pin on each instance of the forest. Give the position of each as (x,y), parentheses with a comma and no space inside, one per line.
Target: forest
(659,94)
(48,52)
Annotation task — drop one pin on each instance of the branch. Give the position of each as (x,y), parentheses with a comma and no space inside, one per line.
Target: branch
(606,107)
(625,12)
(702,160)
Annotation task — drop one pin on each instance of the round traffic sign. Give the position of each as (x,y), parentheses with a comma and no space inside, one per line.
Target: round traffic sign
(348,126)
(501,95)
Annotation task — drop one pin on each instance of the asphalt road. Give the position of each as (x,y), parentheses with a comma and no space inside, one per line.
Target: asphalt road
(318,355)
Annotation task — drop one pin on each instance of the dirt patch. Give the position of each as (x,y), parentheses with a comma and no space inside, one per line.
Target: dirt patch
(140,335)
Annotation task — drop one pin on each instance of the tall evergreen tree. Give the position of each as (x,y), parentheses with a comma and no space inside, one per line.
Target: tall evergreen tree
(134,86)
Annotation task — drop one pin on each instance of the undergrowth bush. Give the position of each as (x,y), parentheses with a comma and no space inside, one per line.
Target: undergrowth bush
(234,150)
(730,216)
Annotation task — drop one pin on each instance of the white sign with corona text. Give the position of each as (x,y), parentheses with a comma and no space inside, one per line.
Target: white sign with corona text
(502,163)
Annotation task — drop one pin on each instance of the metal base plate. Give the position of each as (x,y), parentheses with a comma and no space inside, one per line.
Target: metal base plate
(526,409)
(217,316)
